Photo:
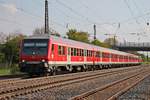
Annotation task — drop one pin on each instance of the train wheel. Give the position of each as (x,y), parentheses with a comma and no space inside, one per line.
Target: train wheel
(47,74)
(79,69)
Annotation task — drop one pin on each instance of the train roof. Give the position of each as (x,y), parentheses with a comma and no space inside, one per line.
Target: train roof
(73,43)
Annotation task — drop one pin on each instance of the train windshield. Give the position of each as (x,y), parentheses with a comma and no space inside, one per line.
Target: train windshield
(35,46)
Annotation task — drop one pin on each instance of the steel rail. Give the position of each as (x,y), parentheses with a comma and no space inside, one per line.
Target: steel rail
(23,90)
(107,91)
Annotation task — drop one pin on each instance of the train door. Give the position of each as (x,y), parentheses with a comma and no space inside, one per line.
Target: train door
(69,55)
(85,56)
(53,54)
(93,57)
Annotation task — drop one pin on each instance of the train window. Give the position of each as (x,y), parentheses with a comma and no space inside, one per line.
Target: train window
(52,47)
(29,44)
(75,51)
(96,54)
(103,55)
(116,56)
(92,53)
(112,56)
(79,52)
(107,55)
(59,50)
(85,53)
(88,53)
(35,46)
(71,51)
(100,54)
(63,50)
(82,52)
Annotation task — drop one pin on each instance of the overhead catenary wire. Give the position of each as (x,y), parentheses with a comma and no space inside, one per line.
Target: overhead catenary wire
(34,15)
(29,14)
(130,10)
(74,11)
(98,24)
(138,9)
(132,14)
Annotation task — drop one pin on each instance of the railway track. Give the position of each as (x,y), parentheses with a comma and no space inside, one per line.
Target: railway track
(11,78)
(113,90)
(28,86)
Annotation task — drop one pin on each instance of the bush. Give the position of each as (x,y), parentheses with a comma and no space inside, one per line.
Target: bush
(14,69)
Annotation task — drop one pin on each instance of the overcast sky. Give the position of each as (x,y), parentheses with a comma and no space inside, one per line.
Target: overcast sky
(120,17)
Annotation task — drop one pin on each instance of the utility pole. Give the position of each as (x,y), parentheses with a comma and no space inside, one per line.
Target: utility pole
(115,40)
(46,18)
(147,57)
(94,31)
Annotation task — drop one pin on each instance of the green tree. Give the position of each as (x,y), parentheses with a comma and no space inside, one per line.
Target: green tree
(78,36)
(111,41)
(99,43)
(2,56)
(11,49)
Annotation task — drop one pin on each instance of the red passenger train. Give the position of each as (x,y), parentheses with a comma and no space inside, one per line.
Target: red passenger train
(49,54)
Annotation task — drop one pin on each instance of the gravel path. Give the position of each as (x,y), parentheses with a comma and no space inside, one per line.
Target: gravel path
(139,92)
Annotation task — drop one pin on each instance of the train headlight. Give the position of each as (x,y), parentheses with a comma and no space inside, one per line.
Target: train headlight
(43,60)
(23,60)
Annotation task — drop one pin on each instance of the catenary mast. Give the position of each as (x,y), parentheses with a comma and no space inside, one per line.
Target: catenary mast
(46,18)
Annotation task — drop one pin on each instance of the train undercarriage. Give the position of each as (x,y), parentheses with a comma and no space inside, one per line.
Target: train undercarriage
(43,68)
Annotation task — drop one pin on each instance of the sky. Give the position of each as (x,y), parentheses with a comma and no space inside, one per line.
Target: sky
(127,19)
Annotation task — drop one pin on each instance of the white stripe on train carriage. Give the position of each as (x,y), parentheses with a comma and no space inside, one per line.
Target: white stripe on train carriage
(61,62)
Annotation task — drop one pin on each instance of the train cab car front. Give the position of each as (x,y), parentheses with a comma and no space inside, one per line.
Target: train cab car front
(34,56)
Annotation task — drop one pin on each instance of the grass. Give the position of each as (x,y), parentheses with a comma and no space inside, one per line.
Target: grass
(145,62)
(9,70)
(5,71)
